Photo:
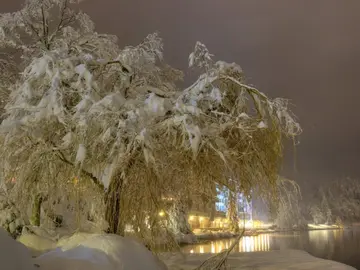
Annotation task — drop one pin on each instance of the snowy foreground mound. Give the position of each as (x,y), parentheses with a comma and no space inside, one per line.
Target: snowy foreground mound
(13,255)
(80,252)
(99,252)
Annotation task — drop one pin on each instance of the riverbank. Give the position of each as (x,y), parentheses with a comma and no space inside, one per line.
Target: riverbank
(203,235)
(269,260)
(95,252)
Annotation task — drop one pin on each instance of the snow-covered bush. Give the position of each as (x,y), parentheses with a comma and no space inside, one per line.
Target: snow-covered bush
(93,252)
(90,126)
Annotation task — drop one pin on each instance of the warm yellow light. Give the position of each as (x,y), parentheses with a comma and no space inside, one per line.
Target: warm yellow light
(162,213)
(201,219)
(213,250)
(191,218)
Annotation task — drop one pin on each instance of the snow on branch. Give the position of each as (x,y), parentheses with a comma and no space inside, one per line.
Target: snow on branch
(74,94)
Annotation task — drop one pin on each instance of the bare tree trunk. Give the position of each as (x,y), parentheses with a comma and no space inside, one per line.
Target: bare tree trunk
(273,210)
(212,205)
(113,207)
(212,211)
(233,213)
(179,216)
(36,211)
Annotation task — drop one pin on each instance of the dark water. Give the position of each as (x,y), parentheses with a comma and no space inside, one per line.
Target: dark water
(338,245)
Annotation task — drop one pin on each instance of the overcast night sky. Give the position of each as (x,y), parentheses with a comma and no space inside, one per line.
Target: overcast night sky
(306,51)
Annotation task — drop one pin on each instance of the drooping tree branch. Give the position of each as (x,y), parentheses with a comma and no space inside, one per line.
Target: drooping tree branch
(94,179)
(63,21)
(45,28)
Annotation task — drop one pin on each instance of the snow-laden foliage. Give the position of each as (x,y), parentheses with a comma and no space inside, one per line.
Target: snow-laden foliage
(339,199)
(88,115)
(8,75)
(43,25)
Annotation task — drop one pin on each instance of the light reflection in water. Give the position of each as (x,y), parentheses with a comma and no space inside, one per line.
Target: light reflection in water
(247,244)
(213,250)
(338,245)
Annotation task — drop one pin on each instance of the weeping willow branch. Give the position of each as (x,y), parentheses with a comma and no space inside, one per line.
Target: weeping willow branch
(218,261)
(94,179)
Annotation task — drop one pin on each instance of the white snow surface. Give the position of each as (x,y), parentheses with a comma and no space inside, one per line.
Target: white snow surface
(99,252)
(14,255)
(268,260)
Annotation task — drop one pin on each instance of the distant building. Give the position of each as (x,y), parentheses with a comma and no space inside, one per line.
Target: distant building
(213,215)
(244,205)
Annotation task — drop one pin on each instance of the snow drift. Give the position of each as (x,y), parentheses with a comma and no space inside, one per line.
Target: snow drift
(14,255)
(99,252)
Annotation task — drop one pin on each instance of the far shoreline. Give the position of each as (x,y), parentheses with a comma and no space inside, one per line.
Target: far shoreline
(207,236)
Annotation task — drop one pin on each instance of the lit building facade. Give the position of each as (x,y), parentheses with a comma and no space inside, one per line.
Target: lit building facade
(213,215)
(244,205)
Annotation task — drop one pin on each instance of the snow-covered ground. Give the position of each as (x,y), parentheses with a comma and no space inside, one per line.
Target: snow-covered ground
(111,252)
(79,252)
(14,255)
(269,260)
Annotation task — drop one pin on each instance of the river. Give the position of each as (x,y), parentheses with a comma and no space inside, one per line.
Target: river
(338,245)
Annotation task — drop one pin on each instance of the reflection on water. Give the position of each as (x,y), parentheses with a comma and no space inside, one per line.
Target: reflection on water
(338,245)
(247,244)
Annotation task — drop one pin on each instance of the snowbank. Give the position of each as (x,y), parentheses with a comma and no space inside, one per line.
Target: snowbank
(211,235)
(37,244)
(322,227)
(99,252)
(269,260)
(14,255)
(186,239)
(38,240)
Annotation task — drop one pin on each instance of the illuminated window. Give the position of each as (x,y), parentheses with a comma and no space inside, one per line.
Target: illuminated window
(243,203)
(221,204)
(221,207)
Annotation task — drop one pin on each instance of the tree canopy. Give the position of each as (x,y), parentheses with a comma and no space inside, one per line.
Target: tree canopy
(116,121)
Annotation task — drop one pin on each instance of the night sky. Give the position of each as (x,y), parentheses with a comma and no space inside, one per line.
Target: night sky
(306,51)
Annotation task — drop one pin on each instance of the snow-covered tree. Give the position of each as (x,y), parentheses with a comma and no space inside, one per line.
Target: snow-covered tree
(232,212)
(285,206)
(325,207)
(342,199)
(45,25)
(39,37)
(318,216)
(337,201)
(110,125)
